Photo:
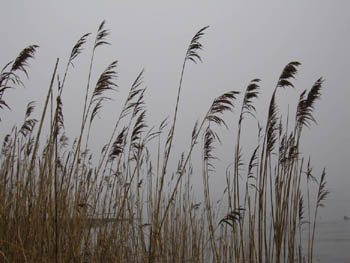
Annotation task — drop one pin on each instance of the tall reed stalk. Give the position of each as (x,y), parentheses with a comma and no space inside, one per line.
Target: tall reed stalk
(59,203)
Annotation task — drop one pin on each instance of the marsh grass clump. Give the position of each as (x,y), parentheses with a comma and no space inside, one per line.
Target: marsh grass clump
(58,205)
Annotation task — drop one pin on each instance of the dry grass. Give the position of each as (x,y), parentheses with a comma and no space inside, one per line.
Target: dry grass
(56,206)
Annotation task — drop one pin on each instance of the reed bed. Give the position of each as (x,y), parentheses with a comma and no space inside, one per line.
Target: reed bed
(57,205)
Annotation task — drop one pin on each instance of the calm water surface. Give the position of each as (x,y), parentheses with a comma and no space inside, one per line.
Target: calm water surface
(332,242)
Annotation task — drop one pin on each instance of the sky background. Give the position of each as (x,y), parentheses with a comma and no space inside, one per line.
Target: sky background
(246,40)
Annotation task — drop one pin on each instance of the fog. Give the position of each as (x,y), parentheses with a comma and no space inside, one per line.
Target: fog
(245,40)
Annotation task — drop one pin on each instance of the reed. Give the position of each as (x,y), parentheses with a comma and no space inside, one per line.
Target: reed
(57,205)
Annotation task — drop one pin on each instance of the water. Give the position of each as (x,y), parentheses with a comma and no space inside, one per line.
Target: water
(332,242)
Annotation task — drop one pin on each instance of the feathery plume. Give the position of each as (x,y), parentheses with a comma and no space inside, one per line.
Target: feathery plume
(78,48)
(288,73)
(195,46)
(102,33)
(21,62)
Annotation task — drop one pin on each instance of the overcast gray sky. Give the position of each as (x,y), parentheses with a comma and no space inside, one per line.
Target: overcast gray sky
(246,40)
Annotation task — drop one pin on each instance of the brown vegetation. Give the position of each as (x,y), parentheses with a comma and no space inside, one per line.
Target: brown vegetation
(52,196)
